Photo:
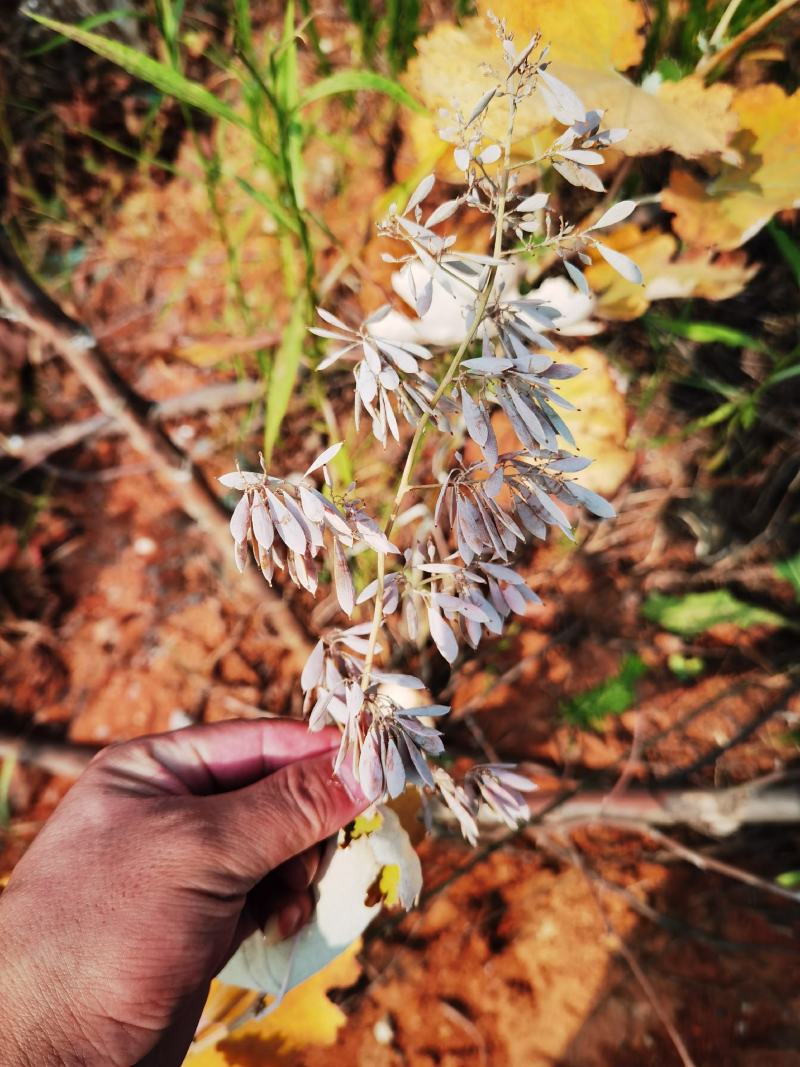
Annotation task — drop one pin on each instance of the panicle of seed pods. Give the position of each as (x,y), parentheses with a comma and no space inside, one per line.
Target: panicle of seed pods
(462,584)
(386,744)
(386,371)
(288,522)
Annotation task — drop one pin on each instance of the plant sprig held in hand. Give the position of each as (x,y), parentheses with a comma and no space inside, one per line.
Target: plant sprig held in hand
(455,579)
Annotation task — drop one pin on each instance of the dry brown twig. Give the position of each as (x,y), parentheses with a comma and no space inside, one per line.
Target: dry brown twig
(33,449)
(26,303)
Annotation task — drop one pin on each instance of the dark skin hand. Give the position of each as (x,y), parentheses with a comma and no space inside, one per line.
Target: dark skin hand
(162,858)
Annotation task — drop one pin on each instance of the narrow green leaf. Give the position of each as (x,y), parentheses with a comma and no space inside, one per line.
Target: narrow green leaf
(789,570)
(783,375)
(708,333)
(270,204)
(283,375)
(7,768)
(243,25)
(351,81)
(85,24)
(787,247)
(697,612)
(718,415)
(612,697)
(169,23)
(159,75)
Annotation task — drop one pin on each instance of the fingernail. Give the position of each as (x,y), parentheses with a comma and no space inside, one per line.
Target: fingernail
(351,784)
(291,919)
(299,872)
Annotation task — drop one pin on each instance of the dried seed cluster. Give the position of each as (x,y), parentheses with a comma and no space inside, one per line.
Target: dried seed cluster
(455,580)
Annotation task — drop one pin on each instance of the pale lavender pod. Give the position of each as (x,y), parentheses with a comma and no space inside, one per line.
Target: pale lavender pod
(263,530)
(443,636)
(240,520)
(343,582)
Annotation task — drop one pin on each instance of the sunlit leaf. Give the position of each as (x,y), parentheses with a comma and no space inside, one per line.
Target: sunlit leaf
(584,32)
(305,1019)
(667,273)
(695,613)
(600,425)
(728,209)
(686,117)
(341,915)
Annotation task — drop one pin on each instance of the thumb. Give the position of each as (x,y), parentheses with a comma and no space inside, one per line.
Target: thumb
(282,815)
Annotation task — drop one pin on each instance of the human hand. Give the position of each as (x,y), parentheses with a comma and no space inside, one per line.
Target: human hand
(162,858)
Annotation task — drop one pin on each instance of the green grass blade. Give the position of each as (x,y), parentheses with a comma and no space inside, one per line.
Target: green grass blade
(708,333)
(169,23)
(7,768)
(243,25)
(787,247)
(783,375)
(270,204)
(159,75)
(789,570)
(89,23)
(283,375)
(351,81)
(697,612)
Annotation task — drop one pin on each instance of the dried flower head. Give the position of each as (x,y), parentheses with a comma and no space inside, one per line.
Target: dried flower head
(446,567)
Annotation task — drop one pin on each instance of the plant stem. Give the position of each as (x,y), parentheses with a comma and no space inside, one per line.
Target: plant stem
(710,62)
(419,433)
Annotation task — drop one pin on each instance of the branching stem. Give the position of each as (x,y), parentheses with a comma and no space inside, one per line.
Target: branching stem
(404,483)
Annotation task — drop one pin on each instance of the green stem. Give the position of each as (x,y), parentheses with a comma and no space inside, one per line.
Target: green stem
(422,426)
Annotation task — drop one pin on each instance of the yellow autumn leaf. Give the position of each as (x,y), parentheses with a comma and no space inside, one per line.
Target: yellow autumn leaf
(666,274)
(305,1018)
(450,70)
(607,35)
(600,425)
(730,208)
(684,117)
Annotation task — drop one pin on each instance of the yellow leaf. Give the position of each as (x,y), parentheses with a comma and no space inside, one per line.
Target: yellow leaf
(600,425)
(734,205)
(389,884)
(450,70)
(666,275)
(305,1018)
(684,117)
(366,824)
(583,31)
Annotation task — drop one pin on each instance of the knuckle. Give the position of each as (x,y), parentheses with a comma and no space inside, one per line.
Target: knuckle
(309,802)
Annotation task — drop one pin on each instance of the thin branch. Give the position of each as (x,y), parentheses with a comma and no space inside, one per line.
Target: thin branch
(714,59)
(710,863)
(33,449)
(30,306)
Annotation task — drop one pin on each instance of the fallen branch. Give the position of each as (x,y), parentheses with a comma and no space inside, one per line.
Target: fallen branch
(717,812)
(34,448)
(26,303)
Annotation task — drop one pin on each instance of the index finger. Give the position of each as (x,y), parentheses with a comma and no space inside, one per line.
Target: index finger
(218,757)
